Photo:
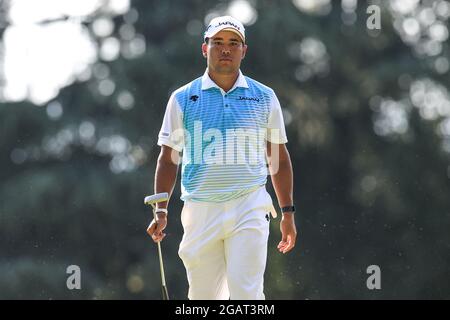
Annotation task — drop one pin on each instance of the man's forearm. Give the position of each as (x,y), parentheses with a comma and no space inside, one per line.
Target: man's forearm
(282,181)
(165,179)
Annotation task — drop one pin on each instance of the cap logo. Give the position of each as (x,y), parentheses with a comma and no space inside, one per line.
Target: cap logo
(228,23)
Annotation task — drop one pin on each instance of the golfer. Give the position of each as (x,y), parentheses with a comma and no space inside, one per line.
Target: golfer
(230,130)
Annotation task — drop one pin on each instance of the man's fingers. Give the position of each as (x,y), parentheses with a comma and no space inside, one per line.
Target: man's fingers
(159,227)
(156,226)
(282,245)
(286,245)
(158,237)
(283,241)
(151,228)
(288,248)
(290,244)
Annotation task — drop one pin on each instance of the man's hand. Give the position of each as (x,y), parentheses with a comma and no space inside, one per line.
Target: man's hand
(288,233)
(157,226)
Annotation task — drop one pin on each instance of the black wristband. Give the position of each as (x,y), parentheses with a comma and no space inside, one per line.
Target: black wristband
(288,209)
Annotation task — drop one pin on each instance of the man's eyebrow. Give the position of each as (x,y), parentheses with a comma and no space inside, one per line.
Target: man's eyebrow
(232,39)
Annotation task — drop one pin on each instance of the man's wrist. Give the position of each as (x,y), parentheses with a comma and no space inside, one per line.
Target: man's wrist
(288,217)
(288,209)
(161,210)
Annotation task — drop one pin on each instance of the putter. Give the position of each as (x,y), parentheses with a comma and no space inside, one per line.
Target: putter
(153,200)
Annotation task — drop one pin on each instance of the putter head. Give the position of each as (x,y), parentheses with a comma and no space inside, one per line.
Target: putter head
(155,198)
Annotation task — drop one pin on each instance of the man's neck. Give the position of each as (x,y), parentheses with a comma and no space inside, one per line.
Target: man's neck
(224,81)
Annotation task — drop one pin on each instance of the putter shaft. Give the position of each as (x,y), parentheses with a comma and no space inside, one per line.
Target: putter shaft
(161,264)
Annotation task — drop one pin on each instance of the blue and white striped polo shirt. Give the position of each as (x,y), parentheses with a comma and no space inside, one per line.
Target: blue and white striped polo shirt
(222,136)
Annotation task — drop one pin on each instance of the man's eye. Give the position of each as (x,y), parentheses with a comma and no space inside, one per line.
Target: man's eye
(217,43)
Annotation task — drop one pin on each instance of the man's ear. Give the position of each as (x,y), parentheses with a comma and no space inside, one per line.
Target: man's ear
(205,50)
(244,51)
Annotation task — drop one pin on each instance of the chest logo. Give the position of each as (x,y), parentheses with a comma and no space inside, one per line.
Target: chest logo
(248,98)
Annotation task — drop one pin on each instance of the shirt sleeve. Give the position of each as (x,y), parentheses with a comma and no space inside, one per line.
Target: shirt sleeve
(276,132)
(172,132)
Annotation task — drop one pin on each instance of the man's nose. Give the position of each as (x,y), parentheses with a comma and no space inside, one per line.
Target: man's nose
(226,51)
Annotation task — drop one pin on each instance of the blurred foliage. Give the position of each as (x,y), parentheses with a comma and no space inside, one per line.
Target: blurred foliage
(363,197)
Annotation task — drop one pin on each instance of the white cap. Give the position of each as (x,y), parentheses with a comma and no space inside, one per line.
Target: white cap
(225,23)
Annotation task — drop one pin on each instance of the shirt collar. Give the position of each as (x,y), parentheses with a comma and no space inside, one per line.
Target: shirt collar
(207,82)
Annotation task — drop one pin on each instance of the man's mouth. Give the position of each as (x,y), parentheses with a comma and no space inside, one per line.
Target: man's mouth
(225,59)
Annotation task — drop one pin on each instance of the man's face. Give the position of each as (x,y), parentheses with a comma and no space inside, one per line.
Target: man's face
(224,52)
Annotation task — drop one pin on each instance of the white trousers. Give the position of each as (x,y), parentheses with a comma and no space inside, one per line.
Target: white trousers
(224,247)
